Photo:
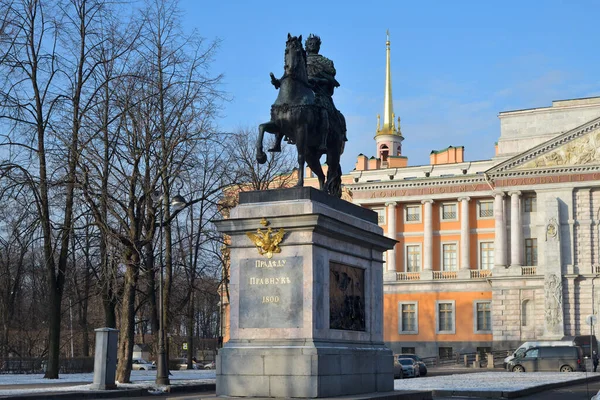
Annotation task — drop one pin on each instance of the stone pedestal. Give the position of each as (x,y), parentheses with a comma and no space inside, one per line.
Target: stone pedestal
(105,358)
(307,322)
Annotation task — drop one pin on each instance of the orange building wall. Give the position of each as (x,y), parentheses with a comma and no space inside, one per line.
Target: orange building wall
(426,316)
(440,226)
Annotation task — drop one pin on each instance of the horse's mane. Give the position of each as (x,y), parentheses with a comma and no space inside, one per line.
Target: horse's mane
(295,41)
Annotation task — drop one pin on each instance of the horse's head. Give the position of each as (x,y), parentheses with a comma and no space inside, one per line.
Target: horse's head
(295,58)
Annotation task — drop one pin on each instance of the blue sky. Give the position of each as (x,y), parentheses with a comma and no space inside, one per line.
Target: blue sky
(455,64)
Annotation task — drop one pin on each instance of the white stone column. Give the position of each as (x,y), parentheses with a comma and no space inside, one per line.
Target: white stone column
(465,247)
(500,231)
(516,230)
(391,233)
(427,235)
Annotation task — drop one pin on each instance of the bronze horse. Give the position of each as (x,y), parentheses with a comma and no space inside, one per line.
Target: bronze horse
(295,115)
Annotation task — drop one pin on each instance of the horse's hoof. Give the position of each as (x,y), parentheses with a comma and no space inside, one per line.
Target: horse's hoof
(261,158)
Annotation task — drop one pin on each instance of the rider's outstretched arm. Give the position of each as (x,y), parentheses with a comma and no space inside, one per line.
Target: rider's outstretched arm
(274,81)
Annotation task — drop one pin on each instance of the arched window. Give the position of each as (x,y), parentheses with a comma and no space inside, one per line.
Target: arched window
(384,151)
(399,152)
(526,312)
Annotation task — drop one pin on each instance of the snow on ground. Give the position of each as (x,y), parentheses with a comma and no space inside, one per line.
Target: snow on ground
(139,379)
(487,381)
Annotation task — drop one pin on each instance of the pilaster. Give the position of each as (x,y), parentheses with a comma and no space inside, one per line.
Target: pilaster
(427,235)
(500,231)
(516,230)
(465,251)
(391,233)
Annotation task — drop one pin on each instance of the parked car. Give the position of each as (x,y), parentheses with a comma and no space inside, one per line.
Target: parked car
(398,374)
(422,366)
(139,364)
(527,345)
(210,365)
(410,368)
(181,364)
(546,358)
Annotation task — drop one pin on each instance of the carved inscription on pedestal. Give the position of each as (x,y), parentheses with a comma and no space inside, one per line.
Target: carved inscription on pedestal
(346,297)
(271,293)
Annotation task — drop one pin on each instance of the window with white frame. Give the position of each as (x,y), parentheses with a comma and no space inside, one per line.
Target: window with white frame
(380,215)
(482,316)
(449,256)
(444,310)
(408,318)
(413,258)
(486,255)
(412,213)
(485,209)
(449,211)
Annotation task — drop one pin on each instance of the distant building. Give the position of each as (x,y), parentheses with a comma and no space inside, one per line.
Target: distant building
(493,252)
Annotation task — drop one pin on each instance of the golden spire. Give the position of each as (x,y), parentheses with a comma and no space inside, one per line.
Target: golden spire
(388,127)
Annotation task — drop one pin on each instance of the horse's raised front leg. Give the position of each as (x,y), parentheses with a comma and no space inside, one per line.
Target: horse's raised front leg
(271,127)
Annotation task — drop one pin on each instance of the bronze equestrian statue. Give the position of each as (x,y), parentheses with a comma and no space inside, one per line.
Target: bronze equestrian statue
(304,113)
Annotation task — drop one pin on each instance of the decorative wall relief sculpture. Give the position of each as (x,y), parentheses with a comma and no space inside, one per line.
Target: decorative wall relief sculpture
(553,304)
(552,230)
(346,297)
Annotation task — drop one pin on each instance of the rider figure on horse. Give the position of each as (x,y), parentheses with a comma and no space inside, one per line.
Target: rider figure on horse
(321,78)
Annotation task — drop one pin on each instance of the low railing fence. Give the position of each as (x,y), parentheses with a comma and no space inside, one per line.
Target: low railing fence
(34,365)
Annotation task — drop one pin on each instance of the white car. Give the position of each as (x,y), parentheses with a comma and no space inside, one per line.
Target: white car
(210,365)
(182,364)
(410,368)
(139,364)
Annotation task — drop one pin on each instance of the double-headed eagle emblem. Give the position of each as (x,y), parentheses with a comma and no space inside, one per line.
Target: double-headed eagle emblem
(267,242)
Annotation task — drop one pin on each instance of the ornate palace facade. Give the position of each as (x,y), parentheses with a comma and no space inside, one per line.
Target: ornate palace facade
(490,253)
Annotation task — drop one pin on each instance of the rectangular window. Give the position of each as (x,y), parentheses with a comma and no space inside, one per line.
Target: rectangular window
(413,258)
(408,318)
(449,212)
(413,214)
(445,353)
(486,255)
(380,215)
(408,350)
(529,204)
(486,209)
(483,316)
(449,257)
(445,316)
(531,252)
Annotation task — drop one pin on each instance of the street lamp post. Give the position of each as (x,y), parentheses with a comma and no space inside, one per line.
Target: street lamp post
(162,370)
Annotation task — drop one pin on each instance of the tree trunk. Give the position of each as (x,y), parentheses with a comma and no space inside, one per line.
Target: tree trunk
(190,331)
(127,325)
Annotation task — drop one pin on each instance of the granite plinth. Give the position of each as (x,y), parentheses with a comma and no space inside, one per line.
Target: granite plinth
(310,370)
(283,342)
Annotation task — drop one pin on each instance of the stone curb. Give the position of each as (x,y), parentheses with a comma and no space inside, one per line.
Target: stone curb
(92,394)
(203,387)
(108,394)
(500,394)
